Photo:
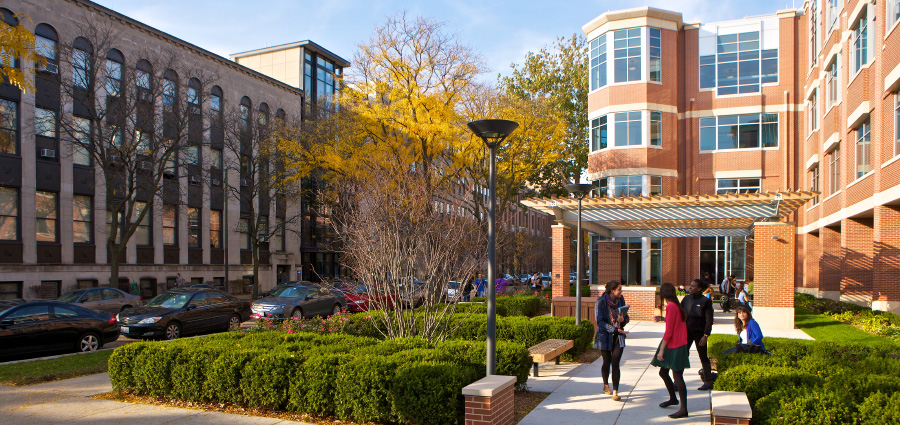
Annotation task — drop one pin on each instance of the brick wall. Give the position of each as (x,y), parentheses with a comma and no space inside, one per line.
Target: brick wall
(642,300)
(494,410)
(774,274)
(811,256)
(856,253)
(830,259)
(609,261)
(562,260)
(887,254)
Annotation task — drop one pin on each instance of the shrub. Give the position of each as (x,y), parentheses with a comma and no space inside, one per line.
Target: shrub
(757,381)
(122,363)
(430,393)
(268,383)
(879,409)
(363,390)
(520,305)
(314,390)
(189,373)
(224,377)
(813,408)
(153,376)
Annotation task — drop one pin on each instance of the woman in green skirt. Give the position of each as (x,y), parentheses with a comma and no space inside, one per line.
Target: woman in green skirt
(673,351)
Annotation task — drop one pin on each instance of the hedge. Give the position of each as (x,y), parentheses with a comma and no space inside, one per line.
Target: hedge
(353,378)
(880,323)
(515,305)
(813,382)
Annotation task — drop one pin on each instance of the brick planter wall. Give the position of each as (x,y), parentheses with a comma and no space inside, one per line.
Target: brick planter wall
(642,300)
(489,401)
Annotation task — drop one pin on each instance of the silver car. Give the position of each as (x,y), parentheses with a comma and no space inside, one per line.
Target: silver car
(299,301)
(105,300)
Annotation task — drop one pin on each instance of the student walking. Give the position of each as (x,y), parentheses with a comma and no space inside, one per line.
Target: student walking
(727,287)
(480,283)
(612,316)
(672,353)
(699,311)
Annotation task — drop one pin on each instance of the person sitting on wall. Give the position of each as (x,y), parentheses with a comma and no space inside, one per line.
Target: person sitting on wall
(742,297)
(750,337)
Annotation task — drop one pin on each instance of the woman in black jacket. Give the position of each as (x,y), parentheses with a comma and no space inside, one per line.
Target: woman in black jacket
(610,337)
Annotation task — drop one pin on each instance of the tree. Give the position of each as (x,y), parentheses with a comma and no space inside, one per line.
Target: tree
(559,76)
(138,124)
(266,182)
(17,44)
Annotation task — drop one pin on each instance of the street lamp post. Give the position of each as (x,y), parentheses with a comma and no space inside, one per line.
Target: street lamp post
(580,190)
(493,132)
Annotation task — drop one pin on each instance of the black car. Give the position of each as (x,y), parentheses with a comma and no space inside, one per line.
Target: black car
(183,311)
(53,326)
(300,300)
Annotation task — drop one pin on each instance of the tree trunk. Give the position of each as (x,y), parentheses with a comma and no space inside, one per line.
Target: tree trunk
(254,292)
(114,266)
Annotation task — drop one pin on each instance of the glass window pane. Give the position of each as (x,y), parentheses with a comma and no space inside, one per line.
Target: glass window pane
(727,136)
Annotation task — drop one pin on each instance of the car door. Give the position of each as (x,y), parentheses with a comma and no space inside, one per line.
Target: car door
(219,310)
(92,299)
(66,325)
(195,316)
(314,302)
(113,301)
(23,330)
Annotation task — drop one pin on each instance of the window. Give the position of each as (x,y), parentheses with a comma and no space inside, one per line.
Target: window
(655,128)
(628,186)
(813,32)
(142,81)
(834,169)
(655,55)
(814,183)
(631,260)
(863,154)
(598,133)
(194,227)
(82,219)
(893,13)
(9,127)
(114,61)
(245,113)
(897,123)
(859,42)
(44,122)
(724,186)
(655,261)
(278,237)
(109,225)
(813,111)
(45,47)
(602,190)
(81,68)
(170,224)
(739,132)
(721,256)
(215,102)
(83,144)
(142,235)
(142,140)
(215,228)
(244,228)
(9,214)
(740,64)
(192,155)
(628,128)
(598,62)
(831,13)
(832,82)
(627,55)
(45,216)
(655,185)
(215,158)
(10,290)
(708,72)
(168,93)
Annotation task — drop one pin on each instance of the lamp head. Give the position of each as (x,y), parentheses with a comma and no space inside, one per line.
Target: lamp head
(579,189)
(492,131)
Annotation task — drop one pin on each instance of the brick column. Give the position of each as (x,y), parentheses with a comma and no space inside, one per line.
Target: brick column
(562,260)
(773,284)
(857,253)
(609,262)
(489,401)
(812,253)
(885,290)
(830,263)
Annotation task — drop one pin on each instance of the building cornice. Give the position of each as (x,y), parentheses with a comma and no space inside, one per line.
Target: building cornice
(637,12)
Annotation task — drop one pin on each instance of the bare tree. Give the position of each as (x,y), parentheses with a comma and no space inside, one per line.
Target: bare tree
(134,120)
(252,147)
(392,232)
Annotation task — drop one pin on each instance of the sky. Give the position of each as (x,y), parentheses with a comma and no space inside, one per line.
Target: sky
(500,31)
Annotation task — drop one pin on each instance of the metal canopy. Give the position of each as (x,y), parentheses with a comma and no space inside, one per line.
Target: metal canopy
(730,214)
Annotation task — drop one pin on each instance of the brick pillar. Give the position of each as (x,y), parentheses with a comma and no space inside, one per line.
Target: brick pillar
(773,284)
(562,260)
(609,262)
(830,263)
(489,401)
(812,253)
(857,253)
(885,289)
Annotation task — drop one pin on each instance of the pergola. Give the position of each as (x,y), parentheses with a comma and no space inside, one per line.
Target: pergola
(735,214)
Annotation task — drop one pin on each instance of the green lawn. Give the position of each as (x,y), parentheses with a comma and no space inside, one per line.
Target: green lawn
(823,328)
(38,371)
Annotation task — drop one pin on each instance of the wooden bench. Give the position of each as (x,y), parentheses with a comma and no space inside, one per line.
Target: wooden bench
(549,350)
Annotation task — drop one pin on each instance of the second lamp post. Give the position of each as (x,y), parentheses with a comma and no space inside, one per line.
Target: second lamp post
(580,190)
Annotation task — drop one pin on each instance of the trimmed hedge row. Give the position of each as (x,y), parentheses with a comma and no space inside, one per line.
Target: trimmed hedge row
(352,378)
(516,305)
(880,323)
(812,382)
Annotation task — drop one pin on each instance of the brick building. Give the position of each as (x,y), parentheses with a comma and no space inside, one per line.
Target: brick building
(801,99)
(54,224)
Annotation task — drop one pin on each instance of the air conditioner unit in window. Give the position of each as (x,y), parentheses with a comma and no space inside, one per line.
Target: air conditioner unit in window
(51,68)
(145,165)
(48,153)
(244,183)
(216,182)
(193,180)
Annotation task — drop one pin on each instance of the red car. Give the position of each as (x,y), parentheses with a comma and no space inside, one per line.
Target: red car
(358,299)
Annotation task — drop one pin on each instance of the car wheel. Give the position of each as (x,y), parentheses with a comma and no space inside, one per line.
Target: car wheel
(124,307)
(336,310)
(297,314)
(89,342)
(234,322)
(173,331)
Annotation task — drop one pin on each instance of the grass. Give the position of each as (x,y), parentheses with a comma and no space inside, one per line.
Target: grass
(823,328)
(38,371)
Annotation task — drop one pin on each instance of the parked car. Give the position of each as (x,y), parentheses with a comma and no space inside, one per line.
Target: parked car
(105,300)
(453,292)
(183,311)
(300,300)
(42,326)
(360,298)
(283,284)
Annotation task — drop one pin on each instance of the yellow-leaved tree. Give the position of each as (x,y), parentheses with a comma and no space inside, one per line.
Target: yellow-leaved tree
(17,44)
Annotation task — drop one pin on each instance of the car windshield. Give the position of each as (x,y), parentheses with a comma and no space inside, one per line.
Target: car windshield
(70,297)
(454,285)
(170,300)
(289,292)
(361,289)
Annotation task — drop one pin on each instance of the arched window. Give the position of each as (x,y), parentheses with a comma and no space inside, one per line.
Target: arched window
(169,89)
(245,112)
(7,16)
(45,39)
(82,57)
(193,95)
(279,114)
(215,100)
(114,61)
(143,80)
(263,118)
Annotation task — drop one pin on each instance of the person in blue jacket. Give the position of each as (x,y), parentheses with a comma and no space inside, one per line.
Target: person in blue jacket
(610,336)
(750,337)
(480,284)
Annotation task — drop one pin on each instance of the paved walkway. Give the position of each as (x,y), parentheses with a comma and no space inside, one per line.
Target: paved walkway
(576,394)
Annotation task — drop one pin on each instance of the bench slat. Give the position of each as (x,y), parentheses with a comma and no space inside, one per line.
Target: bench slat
(550,349)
